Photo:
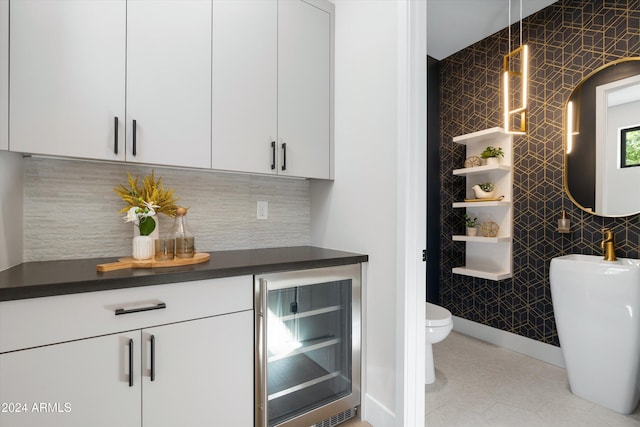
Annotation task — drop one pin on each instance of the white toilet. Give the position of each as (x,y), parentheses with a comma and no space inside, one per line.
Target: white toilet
(438,324)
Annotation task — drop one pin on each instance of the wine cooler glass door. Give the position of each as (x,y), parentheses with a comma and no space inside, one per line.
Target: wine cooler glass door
(308,348)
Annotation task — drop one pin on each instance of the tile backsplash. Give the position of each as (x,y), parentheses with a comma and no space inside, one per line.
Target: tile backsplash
(71,211)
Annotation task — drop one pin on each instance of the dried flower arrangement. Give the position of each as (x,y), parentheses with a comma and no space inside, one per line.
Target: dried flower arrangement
(145,201)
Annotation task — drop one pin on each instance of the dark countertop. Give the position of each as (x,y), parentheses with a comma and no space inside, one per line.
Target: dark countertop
(48,278)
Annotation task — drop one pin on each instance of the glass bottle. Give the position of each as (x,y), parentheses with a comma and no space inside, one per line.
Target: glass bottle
(182,234)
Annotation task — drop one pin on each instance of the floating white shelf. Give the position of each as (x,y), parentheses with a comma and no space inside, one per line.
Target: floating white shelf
(490,275)
(480,239)
(486,137)
(480,204)
(482,169)
(494,262)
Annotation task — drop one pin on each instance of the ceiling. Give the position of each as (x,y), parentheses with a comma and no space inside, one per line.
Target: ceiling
(453,25)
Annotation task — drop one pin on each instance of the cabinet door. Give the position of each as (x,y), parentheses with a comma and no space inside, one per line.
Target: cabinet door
(169,82)
(79,383)
(244,85)
(67,68)
(304,89)
(210,362)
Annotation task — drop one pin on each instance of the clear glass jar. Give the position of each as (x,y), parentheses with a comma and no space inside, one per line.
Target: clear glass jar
(181,232)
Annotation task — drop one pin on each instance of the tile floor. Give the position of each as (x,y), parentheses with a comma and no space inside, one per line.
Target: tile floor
(479,384)
(355,423)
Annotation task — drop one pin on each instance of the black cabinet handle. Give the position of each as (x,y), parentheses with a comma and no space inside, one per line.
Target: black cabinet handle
(273,155)
(134,138)
(153,357)
(115,135)
(158,306)
(284,156)
(130,362)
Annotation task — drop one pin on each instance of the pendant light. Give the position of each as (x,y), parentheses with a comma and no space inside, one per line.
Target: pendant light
(515,77)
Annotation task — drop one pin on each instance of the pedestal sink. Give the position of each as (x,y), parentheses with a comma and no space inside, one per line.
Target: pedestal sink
(597,309)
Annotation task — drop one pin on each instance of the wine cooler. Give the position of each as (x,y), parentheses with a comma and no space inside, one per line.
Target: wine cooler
(307,347)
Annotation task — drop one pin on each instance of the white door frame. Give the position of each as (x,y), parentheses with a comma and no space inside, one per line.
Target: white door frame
(411,284)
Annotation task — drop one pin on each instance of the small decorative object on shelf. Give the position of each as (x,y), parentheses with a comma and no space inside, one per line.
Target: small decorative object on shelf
(472,161)
(492,155)
(470,224)
(486,190)
(489,229)
(143,203)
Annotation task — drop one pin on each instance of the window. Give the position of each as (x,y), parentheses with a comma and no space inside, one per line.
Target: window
(630,147)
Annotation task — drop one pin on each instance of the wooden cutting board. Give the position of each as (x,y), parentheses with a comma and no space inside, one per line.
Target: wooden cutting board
(129,262)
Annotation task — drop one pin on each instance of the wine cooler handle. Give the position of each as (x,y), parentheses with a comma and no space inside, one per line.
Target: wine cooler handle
(261,347)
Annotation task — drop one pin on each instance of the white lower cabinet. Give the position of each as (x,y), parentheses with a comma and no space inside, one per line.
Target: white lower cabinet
(80,383)
(167,365)
(210,361)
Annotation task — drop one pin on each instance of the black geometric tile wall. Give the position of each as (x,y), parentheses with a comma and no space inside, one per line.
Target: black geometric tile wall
(567,41)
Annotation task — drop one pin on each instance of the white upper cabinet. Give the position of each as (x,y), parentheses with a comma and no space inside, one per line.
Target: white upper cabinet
(238,85)
(245,37)
(169,82)
(67,71)
(305,88)
(4,74)
(272,103)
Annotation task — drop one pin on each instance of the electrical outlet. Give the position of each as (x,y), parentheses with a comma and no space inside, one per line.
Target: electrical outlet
(262,210)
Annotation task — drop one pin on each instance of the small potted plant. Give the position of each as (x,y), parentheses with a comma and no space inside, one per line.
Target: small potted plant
(492,155)
(485,190)
(470,223)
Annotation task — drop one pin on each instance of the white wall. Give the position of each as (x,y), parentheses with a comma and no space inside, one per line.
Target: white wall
(612,196)
(4,74)
(11,209)
(358,211)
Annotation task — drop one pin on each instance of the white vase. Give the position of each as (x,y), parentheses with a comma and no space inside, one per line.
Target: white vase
(155,234)
(472,231)
(142,247)
(492,161)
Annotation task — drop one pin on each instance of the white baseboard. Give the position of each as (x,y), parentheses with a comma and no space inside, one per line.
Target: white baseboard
(532,348)
(376,413)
